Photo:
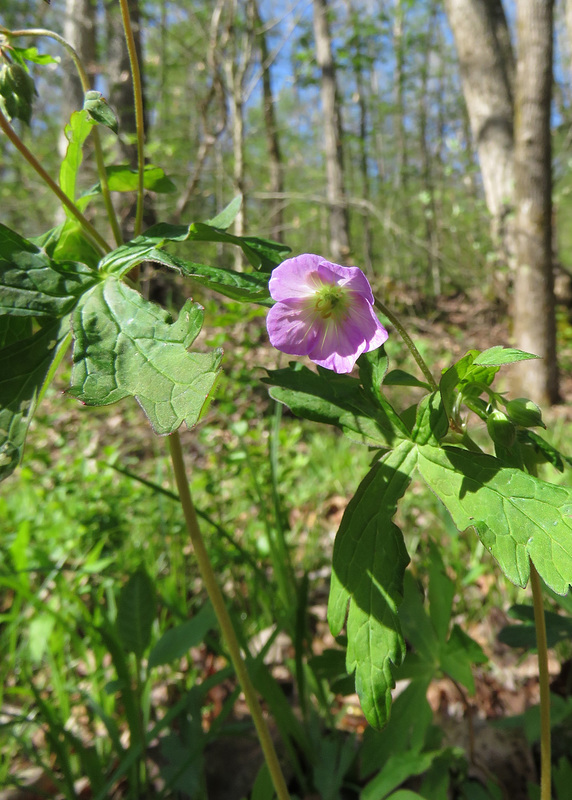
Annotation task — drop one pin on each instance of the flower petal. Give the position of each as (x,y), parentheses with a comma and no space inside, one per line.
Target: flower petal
(342,342)
(295,277)
(292,328)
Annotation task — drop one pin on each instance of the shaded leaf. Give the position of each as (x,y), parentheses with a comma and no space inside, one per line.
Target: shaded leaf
(458,655)
(516,515)
(367,574)
(397,377)
(136,612)
(24,368)
(336,400)
(14,329)
(558,628)
(126,345)
(176,642)
(431,422)
(32,284)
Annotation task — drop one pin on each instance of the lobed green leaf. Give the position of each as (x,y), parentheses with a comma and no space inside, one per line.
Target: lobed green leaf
(368,566)
(126,345)
(516,515)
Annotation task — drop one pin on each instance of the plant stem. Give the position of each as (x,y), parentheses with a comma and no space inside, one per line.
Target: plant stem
(223,618)
(409,342)
(540,624)
(86,86)
(139,119)
(97,239)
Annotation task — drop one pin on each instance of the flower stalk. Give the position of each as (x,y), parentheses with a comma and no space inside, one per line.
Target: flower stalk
(409,342)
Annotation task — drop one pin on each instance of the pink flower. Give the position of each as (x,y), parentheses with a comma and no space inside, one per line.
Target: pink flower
(323,311)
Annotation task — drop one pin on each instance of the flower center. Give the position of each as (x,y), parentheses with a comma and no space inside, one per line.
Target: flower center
(330,300)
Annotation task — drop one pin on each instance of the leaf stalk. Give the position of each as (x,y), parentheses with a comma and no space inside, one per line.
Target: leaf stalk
(223,618)
(93,234)
(86,86)
(544,682)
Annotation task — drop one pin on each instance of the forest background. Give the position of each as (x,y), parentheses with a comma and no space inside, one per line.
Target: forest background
(349,131)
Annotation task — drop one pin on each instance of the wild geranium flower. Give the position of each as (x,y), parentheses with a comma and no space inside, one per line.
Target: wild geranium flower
(323,311)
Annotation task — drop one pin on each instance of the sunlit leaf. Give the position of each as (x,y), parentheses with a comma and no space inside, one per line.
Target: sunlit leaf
(77,131)
(126,345)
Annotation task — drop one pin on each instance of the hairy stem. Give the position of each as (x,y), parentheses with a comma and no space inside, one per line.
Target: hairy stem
(96,238)
(86,86)
(223,618)
(409,342)
(139,119)
(545,745)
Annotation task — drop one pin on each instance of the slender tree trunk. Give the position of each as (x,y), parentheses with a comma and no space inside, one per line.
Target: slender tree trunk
(401,174)
(275,169)
(486,63)
(568,17)
(431,234)
(237,61)
(534,320)
(332,127)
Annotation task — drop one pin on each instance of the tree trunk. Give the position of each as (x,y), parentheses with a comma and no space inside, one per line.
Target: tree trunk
(430,213)
(237,55)
(534,321)
(276,183)
(486,63)
(332,126)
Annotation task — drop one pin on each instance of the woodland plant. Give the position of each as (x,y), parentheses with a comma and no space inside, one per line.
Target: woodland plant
(70,286)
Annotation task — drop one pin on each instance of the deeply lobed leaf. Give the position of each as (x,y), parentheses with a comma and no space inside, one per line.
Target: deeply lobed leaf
(516,515)
(368,566)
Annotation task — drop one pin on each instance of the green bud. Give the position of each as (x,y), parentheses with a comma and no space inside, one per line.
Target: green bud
(501,430)
(525,413)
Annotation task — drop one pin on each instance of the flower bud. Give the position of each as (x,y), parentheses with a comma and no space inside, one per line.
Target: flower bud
(501,430)
(524,412)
